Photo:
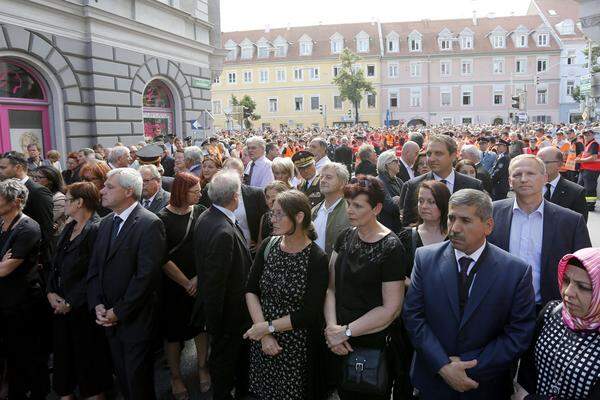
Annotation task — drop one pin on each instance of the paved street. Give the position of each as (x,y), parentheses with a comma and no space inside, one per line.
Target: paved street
(594,227)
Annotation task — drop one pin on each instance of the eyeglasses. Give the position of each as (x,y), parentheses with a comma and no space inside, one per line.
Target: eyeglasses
(278,216)
(361,182)
(70,199)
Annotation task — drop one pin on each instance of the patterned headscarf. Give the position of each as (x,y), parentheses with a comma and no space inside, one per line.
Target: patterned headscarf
(590,259)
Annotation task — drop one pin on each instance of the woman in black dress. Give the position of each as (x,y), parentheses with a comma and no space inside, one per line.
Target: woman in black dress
(286,289)
(80,349)
(366,279)
(180,282)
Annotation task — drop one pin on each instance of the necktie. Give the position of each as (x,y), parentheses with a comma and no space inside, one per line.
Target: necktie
(240,231)
(249,176)
(445,182)
(146,203)
(115,229)
(548,193)
(464,263)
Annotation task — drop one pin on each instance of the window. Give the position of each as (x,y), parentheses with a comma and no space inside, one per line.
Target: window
(545,119)
(273,105)
(246,53)
(231,77)
(522,40)
(415,97)
(314,103)
(542,96)
(498,41)
(280,75)
(567,27)
(445,97)
(445,44)
(447,120)
(414,44)
(306,48)
(263,52)
(370,100)
(355,68)
(362,45)
(466,67)
(393,70)
(393,99)
(313,73)
(498,66)
(521,65)
(570,86)
(415,69)
(264,75)
(280,50)
(571,57)
(336,70)
(542,40)
(247,76)
(370,70)
(217,79)
(216,106)
(466,42)
(231,54)
(467,120)
(542,65)
(298,103)
(336,46)
(337,102)
(393,45)
(445,68)
(298,75)
(498,96)
(467,96)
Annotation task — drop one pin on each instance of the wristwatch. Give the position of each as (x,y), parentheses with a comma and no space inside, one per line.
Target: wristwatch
(271,327)
(348,331)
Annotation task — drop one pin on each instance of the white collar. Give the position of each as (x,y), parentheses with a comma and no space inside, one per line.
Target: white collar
(449,179)
(405,164)
(151,199)
(333,206)
(24,180)
(473,256)
(127,212)
(554,181)
(228,213)
(540,209)
(260,160)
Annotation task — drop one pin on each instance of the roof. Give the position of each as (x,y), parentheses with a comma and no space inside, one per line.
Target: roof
(556,11)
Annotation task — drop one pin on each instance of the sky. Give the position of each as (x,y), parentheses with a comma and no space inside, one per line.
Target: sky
(239,15)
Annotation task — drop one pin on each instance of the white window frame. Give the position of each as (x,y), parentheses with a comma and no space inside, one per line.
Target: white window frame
(276,104)
(498,41)
(247,76)
(262,49)
(337,46)
(539,91)
(416,70)
(498,62)
(570,87)
(277,75)
(231,74)
(333,70)
(314,74)
(498,91)
(445,44)
(374,100)
(415,98)
(444,91)
(298,74)
(462,120)
(306,48)
(281,50)
(521,41)
(523,61)
(374,70)
(247,53)
(362,45)
(571,57)
(395,67)
(468,71)
(463,91)
(395,44)
(393,94)
(545,61)
(231,53)
(543,39)
(341,102)
(302,104)
(312,96)
(216,107)
(466,42)
(414,44)
(449,64)
(260,76)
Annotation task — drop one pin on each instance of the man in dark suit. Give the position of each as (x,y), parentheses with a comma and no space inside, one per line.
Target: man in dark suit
(223,262)
(535,230)
(469,311)
(559,190)
(167,161)
(410,151)
(154,197)
(499,174)
(441,153)
(472,153)
(123,278)
(343,154)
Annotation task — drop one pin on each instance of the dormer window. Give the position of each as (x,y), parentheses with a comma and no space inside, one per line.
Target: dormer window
(263,51)
(566,27)
(305,49)
(231,53)
(521,40)
(445,44)
(393,43)
(247,53)
(542,39)
(281,47)
(498,41)
(466,42)
(337,43)
(362,42)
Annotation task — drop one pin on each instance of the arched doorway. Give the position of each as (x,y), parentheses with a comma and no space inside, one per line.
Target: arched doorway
(24,108)
(158,110)
(416,122)
(497,121)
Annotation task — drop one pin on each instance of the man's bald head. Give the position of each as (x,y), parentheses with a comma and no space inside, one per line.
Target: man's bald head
(410,150)
(553,158)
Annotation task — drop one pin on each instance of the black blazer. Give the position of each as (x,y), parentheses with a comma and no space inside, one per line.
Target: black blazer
(168,164)
(403,174)
(167,183)
(222,263)
(570,195)
(366,167)
(408,197)
(124,275)
(160,201)
(390,214)
(39,207)
(484,176)
(564,232)
(71,262)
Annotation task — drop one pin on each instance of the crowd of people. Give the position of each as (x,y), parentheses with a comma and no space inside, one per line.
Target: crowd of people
(430,263)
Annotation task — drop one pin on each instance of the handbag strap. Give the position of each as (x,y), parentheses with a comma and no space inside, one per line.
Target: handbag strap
(187,233)
(414,235)
(272,241)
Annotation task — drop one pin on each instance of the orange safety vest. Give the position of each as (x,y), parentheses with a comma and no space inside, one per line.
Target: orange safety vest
(569,164)
(590,165)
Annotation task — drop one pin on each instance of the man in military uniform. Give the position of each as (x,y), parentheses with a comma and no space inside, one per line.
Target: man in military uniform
(499,175)
(305,162)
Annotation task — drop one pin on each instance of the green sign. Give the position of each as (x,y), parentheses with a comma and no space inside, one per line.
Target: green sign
(201,83)
(585,85)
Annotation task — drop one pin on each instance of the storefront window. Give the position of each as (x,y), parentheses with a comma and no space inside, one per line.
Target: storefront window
(16,82)
(158,110)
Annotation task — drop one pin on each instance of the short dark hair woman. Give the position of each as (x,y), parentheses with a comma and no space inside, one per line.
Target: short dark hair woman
(285,294)
(366,278)
(80,349)
(563,361)
(51,178)
(420,166)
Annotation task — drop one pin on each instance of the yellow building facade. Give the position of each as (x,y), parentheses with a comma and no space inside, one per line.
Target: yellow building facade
(289,74)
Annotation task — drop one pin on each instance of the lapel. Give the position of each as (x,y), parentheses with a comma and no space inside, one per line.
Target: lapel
(549,228)
(560,192)
(81,237)
(504,215)
(127,225)
(332,218)
(449,274)
(240,237)
(484,278)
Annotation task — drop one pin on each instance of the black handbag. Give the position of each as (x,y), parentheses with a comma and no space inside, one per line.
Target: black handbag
(366,370)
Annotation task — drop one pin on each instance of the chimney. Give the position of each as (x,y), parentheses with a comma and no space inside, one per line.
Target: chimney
(475,17)
(267,28)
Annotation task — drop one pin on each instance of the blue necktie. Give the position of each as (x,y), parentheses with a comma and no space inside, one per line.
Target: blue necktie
(115,229)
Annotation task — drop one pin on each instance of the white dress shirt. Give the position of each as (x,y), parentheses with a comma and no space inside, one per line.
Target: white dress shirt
(24,180)
(227,213)
(473,256)
(526,238)
(449,180)
(319,164)
(411,173)
(150,200)
(242,220)
(262,174)
(125,214)
(321,222)
(553,184)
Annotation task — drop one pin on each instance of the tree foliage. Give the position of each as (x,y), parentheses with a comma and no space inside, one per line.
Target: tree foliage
(249,106)
(351,81)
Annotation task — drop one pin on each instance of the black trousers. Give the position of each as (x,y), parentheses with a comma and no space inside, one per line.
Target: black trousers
(27,362)
(589,180)
(134,367)
(228,366)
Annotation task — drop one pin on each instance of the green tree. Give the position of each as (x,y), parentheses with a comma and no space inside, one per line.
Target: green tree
(249,106)
(576,94)
(351,81)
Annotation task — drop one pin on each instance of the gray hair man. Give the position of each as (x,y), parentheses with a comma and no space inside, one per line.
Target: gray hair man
(119,157)
(318,148)
(154,197)
(258,172)
(193,156)
(472,153)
